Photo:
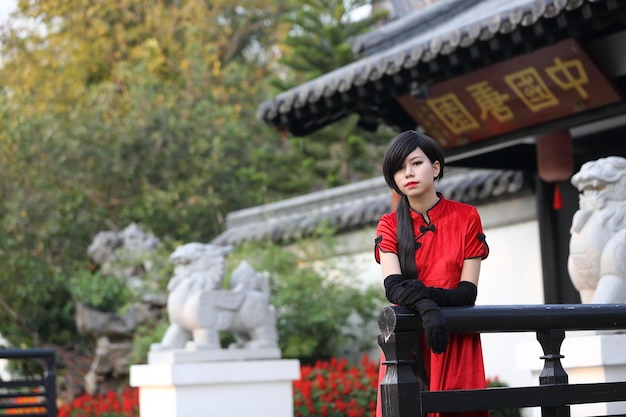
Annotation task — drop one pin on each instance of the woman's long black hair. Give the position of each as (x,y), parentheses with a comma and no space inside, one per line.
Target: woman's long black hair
(399,148)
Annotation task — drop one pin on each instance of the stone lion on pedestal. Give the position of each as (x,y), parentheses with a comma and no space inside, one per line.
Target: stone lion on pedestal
(199,309)
(597,259)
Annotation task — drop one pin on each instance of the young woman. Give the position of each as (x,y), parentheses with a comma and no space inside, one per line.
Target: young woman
(430,250)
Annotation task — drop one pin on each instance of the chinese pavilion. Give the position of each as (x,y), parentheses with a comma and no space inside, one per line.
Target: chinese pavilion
(531,85)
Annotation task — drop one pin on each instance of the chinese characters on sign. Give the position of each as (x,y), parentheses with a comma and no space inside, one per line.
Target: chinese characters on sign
(548,84)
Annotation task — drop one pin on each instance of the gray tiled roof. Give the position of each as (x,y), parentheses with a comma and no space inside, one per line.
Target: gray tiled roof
(396,51)
(357,205)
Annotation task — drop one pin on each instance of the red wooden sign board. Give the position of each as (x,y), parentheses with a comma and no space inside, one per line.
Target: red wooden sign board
(548,84)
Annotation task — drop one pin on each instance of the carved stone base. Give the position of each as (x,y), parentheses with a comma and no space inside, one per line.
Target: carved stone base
(260,388)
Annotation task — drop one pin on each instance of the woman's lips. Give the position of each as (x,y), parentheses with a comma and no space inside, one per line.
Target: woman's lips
(411,184)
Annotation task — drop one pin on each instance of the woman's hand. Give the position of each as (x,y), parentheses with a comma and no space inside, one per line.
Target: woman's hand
(435,326)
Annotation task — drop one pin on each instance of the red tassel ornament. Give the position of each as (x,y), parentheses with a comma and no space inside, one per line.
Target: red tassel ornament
(557,202)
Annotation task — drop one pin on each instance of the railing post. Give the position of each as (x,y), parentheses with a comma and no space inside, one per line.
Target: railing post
(399,389)
(400,336)
(51,387)
(552,372)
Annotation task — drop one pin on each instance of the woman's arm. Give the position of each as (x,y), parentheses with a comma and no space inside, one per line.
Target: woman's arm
(389,264)
(471,270)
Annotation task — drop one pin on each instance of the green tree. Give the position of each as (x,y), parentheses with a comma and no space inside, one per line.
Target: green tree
(319,41)
(144,111)
(120,111)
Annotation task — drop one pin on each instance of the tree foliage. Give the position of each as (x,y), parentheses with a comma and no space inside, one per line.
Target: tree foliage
(321,33)
(120,111)
(319,41)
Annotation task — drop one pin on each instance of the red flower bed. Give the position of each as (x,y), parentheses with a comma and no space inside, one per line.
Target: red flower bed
(336,388)
(111,404)
(332,388)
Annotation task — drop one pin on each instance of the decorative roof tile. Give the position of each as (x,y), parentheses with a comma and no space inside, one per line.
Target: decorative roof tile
(357,205)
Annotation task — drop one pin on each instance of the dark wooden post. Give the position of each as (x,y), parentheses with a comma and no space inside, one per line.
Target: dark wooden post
(552,372)
(51,386)
(400,388)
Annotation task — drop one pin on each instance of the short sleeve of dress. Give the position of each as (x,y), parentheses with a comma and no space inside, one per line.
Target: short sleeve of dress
(475,241)
(386,239)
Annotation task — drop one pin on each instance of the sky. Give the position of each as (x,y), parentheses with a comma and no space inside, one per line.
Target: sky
(6,7)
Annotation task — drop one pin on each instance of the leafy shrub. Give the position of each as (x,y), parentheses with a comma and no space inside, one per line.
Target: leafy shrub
(99,291)
(147,334)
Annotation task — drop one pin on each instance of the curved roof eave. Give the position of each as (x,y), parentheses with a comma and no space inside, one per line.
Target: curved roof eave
(481,22)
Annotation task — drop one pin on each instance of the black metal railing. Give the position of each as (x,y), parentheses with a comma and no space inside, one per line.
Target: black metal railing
(401,391)
(32,396)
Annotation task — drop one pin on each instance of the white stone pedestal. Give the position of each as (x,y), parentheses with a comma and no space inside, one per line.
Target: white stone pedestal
(182,388)
(588,358)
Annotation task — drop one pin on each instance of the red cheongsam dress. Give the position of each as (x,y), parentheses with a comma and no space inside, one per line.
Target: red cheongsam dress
(454,234)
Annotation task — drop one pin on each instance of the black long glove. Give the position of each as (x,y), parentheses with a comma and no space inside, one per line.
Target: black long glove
(405,291)
(412,293)
(435,326)
(463,295)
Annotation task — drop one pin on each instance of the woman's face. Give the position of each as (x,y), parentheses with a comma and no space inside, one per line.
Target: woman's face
(417,175)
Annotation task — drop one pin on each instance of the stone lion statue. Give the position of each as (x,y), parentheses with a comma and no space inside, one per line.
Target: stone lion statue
(597,258)
(199,309)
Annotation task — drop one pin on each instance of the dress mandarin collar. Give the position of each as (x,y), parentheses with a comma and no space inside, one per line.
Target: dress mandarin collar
(433,213)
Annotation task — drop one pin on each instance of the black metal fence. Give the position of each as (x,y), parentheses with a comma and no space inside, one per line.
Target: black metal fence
(400,389)
(34,395)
